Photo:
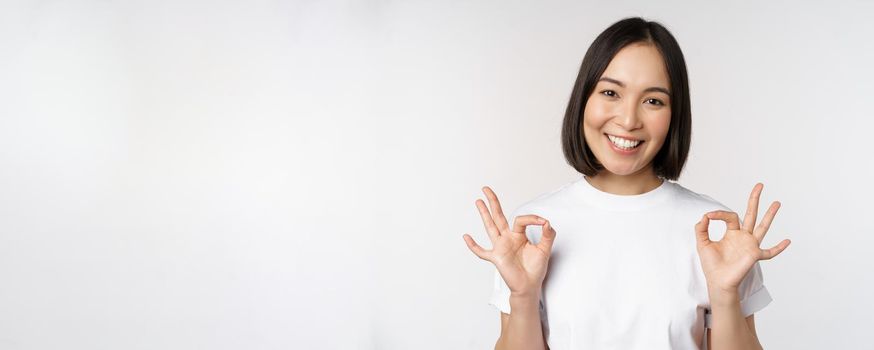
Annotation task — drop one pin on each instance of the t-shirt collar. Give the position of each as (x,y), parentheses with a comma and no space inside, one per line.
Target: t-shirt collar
(616,202)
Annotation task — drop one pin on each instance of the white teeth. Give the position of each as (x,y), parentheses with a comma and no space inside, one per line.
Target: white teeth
(623,143)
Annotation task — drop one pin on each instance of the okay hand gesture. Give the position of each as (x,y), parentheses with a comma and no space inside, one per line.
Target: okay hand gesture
(727,261)
(521,263)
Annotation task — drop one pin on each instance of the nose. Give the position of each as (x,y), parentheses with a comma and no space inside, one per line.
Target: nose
(627,115)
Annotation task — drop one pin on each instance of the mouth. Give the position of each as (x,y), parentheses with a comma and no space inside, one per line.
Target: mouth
(623,145)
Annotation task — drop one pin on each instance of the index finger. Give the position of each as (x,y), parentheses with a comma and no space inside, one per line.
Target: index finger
(730,218)
(522,221)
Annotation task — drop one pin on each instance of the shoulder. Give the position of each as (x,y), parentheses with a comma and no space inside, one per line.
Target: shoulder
(689,199)
(547,201)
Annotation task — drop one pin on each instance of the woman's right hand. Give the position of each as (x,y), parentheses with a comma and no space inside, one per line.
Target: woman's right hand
(521,263)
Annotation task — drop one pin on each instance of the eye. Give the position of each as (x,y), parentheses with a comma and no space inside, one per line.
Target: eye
(657,102)
(610,93)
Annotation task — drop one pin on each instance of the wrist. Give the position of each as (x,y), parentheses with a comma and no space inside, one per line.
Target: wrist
(525,298)
(723,296)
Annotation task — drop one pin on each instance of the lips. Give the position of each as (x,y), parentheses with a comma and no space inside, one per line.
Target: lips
(622,149)
(629,138)
(624,143)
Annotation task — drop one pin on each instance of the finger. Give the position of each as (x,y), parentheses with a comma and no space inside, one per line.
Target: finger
(730,218)
(522,221)
(497,212)
(703,237)
(767,254)
(548,237)
(489,224)
(476,249)
(752,208)
(763,227)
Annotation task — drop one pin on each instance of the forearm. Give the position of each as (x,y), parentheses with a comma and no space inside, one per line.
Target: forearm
(524,328)
(728,327)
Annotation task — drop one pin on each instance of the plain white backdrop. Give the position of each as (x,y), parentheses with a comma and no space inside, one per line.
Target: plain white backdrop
(298,175)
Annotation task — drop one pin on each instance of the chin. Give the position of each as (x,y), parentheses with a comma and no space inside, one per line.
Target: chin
(620,170)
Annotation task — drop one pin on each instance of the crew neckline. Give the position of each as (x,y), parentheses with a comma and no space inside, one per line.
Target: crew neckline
(618,202)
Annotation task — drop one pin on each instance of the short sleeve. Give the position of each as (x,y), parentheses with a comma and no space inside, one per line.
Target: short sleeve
(500,294)
(501,300)
(754,296)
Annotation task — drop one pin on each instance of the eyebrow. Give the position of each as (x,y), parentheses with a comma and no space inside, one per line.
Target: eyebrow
(621,84)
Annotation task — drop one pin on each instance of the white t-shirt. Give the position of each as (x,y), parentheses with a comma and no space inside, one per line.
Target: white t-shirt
(624,271)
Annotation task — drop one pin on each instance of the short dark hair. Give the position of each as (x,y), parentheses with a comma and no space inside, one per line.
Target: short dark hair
(669,161)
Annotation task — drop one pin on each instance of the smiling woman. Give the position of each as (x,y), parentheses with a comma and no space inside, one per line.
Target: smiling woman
(633,74)
(628,118)
(637,267)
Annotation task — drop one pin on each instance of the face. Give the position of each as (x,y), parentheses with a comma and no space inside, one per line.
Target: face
(627,116)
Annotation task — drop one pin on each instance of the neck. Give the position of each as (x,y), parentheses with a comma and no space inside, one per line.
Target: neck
(626,185)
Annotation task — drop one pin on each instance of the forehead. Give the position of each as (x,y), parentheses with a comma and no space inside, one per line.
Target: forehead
(639,65)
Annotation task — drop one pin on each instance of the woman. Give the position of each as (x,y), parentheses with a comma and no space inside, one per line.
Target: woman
(634,267)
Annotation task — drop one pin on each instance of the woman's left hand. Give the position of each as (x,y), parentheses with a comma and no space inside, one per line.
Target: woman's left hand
(727,261)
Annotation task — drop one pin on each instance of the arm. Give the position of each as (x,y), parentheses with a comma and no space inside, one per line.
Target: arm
(726,263)
(521,329)
(730,330)
(522,265)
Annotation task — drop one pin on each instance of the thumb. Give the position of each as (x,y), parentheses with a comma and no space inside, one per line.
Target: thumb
(547,238)
(701,233)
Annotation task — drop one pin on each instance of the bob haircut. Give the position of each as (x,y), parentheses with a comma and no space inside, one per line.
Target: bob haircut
(669,161)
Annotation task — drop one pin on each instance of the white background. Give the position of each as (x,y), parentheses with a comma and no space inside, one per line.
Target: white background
(276,175)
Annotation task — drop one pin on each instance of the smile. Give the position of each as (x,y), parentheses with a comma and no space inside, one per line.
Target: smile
(623,143)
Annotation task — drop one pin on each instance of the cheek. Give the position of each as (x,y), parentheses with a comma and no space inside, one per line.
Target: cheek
(660,124)
(597,111)
(595,115)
